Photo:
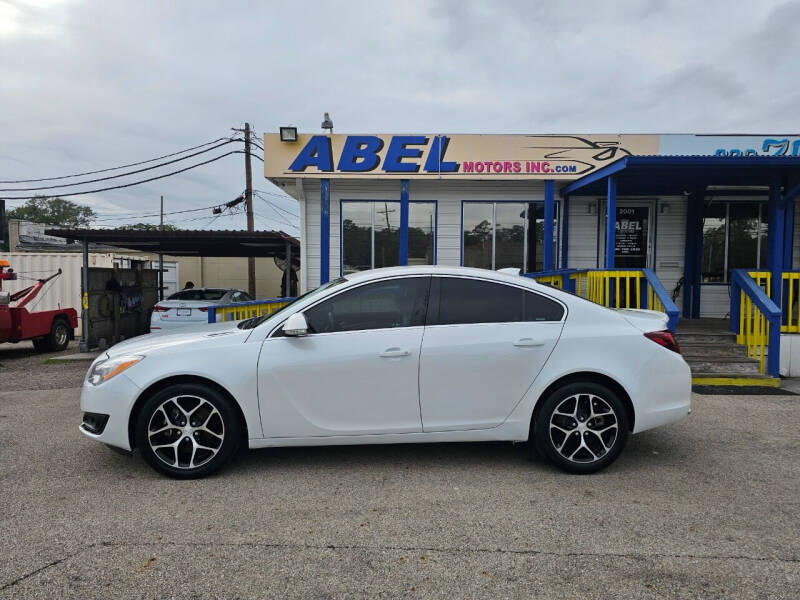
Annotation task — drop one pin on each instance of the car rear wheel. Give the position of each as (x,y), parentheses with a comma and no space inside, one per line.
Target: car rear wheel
(581,427)
(188,431)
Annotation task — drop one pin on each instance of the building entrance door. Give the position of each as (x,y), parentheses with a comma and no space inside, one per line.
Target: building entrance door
(632,247)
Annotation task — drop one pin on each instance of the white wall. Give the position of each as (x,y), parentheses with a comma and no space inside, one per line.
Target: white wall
(448,196)
(583,227)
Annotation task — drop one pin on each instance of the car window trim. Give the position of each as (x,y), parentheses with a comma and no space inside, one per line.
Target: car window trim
(355,286)
(524,288)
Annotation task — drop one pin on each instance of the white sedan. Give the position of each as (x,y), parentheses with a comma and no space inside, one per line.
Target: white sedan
(405,354)
(190,307)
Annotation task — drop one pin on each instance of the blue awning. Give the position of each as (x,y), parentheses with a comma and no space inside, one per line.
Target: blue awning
(674,175)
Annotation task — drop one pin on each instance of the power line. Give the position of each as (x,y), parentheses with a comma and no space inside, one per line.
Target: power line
(275,206)
(280,218)
(158,166)
(266,220)
(174,212)
(119,167)
(283,195)
(127,185)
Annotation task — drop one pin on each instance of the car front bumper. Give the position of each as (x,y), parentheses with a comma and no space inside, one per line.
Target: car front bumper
(114,399)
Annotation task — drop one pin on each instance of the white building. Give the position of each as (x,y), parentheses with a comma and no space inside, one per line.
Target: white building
(689,210)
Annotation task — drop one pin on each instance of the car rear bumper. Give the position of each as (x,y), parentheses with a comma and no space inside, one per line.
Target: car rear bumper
(167,325)
(665,395)
(114,400)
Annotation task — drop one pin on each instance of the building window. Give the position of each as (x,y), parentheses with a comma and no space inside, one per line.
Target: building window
(497,235)
(371,234)
(734,237)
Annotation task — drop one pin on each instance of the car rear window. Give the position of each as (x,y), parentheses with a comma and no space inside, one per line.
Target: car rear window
(464,301)
(198,295)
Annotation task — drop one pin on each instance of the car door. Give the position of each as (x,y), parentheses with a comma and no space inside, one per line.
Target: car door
(484,345)
(356,372)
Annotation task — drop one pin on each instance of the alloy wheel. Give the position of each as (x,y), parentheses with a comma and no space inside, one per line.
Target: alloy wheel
(583,428)
(61,334)
(185,431)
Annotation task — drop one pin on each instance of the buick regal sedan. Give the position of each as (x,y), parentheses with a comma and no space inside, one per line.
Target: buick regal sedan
(406,354)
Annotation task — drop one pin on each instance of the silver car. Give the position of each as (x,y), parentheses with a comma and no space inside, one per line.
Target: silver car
(190,307)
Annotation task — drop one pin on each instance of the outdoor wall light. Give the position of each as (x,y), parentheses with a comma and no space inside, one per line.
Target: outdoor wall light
(288,134)
(591,208)
(327,123)
(665,208)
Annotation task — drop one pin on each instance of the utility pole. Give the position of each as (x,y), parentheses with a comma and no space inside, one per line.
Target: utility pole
(248,196)
(161,256)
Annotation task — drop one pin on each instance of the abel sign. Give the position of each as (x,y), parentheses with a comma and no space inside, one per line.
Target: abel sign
(448,156)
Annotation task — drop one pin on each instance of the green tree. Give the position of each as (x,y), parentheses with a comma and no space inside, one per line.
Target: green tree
(148,227)
(53,211)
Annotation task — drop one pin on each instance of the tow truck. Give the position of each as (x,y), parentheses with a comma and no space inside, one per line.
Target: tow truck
(50,330)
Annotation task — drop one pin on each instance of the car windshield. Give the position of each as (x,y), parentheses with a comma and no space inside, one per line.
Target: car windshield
(198,294)
(256,321)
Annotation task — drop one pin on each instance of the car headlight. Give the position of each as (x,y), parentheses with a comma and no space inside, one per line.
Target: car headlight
(106,369)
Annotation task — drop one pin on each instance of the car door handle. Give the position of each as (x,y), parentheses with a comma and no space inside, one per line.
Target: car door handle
(394,353)
(526,342)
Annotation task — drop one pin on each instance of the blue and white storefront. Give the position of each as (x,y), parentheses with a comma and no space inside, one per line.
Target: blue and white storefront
(694,214)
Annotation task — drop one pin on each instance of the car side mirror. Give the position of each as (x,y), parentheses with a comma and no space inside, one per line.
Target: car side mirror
(296,325)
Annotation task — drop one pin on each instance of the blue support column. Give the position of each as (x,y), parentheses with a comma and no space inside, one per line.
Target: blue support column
(324,231)
(549,213)
(688,255)
(611,221)
(788,235)
(697,271)
(775,241)
(775,267)
(565,232)
(404,195)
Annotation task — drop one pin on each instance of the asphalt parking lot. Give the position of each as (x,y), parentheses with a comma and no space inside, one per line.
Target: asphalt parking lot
(708,508)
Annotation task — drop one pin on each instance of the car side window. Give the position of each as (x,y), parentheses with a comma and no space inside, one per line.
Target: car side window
(245,297)
(400,302)
(464,301)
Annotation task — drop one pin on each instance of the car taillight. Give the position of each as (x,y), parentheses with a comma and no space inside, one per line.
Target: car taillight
(203,309)
(664,338)
(159,308)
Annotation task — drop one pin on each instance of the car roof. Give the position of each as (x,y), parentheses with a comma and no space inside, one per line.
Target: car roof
(439,270)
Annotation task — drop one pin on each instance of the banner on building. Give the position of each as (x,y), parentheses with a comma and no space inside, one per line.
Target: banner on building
(448,156)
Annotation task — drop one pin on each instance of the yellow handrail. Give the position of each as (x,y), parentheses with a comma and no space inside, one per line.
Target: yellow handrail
(753,329)
(551,280)
(246,311)
(790,295)
(597,286)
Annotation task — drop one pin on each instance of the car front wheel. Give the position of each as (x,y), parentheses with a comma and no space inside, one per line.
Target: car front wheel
(188,431)
(581,427)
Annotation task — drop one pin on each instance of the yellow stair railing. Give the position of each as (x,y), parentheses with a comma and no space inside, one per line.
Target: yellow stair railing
(790,296)
(246,310)
(756,319)
(614,288)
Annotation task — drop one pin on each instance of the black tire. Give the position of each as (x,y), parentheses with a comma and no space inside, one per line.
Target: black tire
(600,442)
(41,344)
(58,339)
(178,400)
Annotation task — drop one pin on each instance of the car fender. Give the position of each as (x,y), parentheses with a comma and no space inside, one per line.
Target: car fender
(609,347)
(237,374)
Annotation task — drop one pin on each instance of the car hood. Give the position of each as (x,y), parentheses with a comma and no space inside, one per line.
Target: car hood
(645,320)
(202,333)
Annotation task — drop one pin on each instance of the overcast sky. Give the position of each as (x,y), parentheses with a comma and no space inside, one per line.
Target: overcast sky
(91,85)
